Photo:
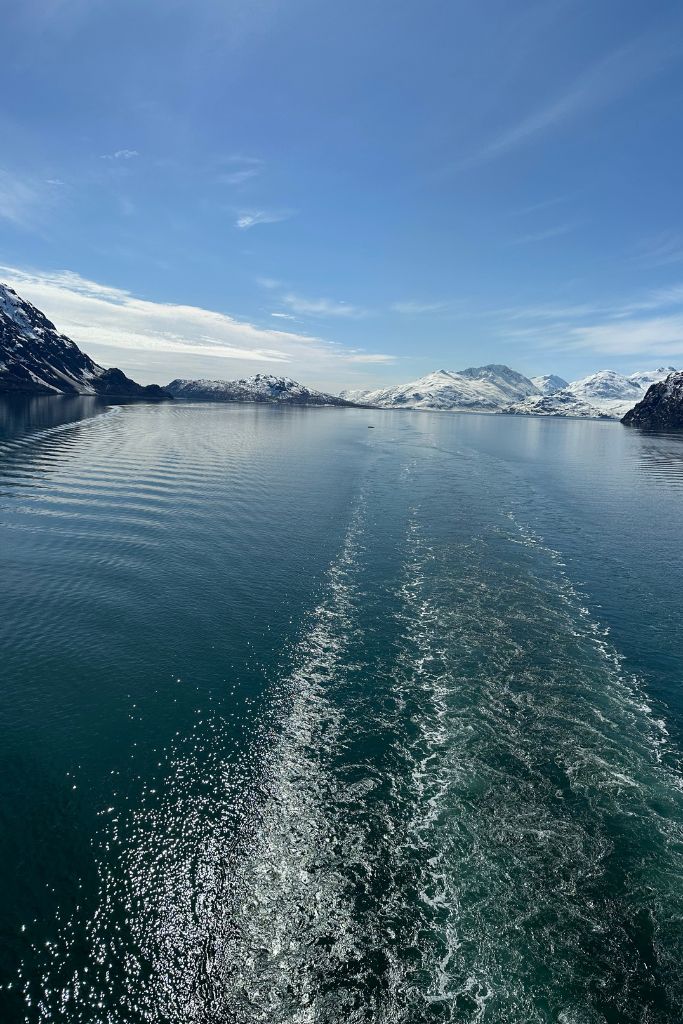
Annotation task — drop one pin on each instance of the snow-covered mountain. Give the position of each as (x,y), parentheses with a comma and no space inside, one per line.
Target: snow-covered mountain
(548,383)
(644,378)
(602,395)
(35,359)
(478,388)
(608,391)
(262,387)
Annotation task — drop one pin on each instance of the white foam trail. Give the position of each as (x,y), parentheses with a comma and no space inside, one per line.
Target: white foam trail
(225,917)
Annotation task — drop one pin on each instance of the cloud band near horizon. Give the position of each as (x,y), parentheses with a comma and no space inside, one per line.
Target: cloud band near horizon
(102,318)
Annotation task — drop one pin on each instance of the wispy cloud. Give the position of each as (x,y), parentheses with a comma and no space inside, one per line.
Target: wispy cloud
(650,327)
(284,316)
(26,202)
(549,311)
(599,85)
(543,204)
(652,336)
(240,169)
(663,250)
(127,206)
(251,218)
(661,298)
(244,160)
(121,154)
(545,235)
(418,308)
(18,199)
(323,307)
(238,177)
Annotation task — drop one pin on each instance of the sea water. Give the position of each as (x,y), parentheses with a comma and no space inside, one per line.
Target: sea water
(305,722)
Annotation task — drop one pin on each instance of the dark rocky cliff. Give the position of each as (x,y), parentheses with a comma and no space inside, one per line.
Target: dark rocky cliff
(662,407)
(35,359)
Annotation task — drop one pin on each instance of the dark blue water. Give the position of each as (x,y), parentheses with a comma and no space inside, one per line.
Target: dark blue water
(305,722)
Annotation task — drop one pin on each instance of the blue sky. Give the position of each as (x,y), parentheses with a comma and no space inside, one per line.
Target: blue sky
(348,193)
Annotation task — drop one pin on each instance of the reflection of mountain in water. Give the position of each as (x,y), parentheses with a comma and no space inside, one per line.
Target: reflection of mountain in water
(21,414)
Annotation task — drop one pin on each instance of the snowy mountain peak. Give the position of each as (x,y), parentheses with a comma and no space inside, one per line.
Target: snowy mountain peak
(29,320)
(644,378)
(605,384)
(495,372)
(549,383)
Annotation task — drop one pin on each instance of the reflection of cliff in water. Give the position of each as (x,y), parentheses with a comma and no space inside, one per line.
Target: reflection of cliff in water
(23,414)
(660,457)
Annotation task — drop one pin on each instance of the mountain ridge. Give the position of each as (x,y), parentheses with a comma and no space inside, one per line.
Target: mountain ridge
(477,388)
(605,394)
(495,387)
(264,388)
(549,383)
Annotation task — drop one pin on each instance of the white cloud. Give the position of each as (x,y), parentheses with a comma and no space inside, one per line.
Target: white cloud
(92,313)
(121,154)
(370,357)
(250,218)
(284,316)
(19,199)
(322,307)
(105,320)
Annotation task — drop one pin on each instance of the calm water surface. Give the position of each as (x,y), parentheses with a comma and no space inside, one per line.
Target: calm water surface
(305,722)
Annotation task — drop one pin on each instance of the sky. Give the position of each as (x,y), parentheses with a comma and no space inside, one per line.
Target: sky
(351,194)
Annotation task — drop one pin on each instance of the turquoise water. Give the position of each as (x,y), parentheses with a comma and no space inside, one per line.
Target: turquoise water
(304,722)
